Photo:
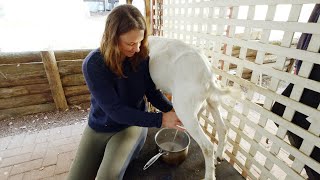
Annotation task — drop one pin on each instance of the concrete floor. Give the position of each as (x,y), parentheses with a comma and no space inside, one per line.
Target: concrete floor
(193,168)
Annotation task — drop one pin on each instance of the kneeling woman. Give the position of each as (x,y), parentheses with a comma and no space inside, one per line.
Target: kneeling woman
(118,78)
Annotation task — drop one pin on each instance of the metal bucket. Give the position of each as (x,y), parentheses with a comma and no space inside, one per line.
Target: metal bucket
(173,147)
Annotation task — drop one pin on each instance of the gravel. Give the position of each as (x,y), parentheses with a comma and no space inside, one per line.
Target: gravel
(36,122)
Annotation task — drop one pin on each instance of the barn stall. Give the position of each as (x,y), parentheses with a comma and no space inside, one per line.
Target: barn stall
(243,54)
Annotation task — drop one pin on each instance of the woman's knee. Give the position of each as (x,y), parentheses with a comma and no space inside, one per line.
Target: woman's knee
(110,175)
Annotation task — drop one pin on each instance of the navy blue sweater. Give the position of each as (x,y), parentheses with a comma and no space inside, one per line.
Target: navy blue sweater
(117,102)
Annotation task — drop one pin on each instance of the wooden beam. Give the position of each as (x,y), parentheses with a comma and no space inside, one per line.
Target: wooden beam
(19,57)
(76,90)
(22,74)
(76,100)
(73,80)
(69,67)
(25,110)
(71,54)
(27,100)
(27,80)
(50,65)
(34,56)
(148,16)
(24,90)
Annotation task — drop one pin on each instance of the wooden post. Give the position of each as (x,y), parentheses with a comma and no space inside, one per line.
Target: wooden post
(50,65)
(129,1)
(156,16)
(148,15)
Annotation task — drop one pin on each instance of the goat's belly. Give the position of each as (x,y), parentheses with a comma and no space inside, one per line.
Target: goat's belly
(160,74)
(162,84)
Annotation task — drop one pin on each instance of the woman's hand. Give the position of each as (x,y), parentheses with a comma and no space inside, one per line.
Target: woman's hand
(171,120)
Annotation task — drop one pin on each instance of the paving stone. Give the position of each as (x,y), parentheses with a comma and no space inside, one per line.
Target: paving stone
(27,149)
(16,177)
(67,147)
(43,172)
(66,131)
(5,172)
(10,152)
(57,177)
(16,141)
(54,133)
(50,157)
(4,142)
(15,160)
(61,176)
(43,136)
(29,139)
(39,150)
(26,166)
(63,163)
(76,138)
(60,142)
(77,129)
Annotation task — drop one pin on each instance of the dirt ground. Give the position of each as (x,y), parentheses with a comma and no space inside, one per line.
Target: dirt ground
(41,121)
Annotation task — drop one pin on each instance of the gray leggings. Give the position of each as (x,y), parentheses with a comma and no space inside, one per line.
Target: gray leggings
(105,156)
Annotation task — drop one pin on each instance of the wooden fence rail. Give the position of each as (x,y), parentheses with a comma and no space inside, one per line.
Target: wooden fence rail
(33,82)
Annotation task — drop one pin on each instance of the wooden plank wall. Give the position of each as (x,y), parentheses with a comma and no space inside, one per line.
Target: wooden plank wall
(211,26)
(24,85)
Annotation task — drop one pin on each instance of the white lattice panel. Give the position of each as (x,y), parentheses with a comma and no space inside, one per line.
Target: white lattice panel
(217,27)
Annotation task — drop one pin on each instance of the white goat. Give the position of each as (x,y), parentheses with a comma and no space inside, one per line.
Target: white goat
(182,71)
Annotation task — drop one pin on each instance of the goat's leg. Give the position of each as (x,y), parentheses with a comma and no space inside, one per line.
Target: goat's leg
(221,128)
(187,110)
(203,107)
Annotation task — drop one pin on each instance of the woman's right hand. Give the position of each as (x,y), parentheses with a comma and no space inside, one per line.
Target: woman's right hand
(171,120)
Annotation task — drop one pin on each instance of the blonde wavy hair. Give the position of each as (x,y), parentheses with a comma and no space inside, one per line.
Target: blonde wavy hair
(122,19)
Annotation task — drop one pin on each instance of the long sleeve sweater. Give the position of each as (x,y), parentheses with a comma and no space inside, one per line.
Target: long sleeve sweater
(117,102)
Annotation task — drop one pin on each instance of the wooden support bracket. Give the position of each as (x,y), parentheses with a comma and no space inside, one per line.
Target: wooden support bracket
(50,65)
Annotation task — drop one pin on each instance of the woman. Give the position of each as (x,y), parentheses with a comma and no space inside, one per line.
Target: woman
(118,78)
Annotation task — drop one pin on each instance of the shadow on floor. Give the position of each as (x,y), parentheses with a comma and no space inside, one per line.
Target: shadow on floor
(193,168)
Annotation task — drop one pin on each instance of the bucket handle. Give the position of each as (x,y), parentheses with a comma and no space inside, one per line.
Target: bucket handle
(154,159)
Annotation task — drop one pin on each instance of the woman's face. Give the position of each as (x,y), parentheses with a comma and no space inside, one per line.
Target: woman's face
(129,43)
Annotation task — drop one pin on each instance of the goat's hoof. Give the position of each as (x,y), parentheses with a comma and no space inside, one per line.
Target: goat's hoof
(267,140)
(220,159)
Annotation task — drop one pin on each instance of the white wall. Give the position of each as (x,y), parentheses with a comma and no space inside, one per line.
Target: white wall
(29,25)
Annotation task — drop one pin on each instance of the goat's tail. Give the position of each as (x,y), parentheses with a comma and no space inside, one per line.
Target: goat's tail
(217,92)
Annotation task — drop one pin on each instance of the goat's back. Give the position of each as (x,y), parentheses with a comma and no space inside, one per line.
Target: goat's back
(174,63)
